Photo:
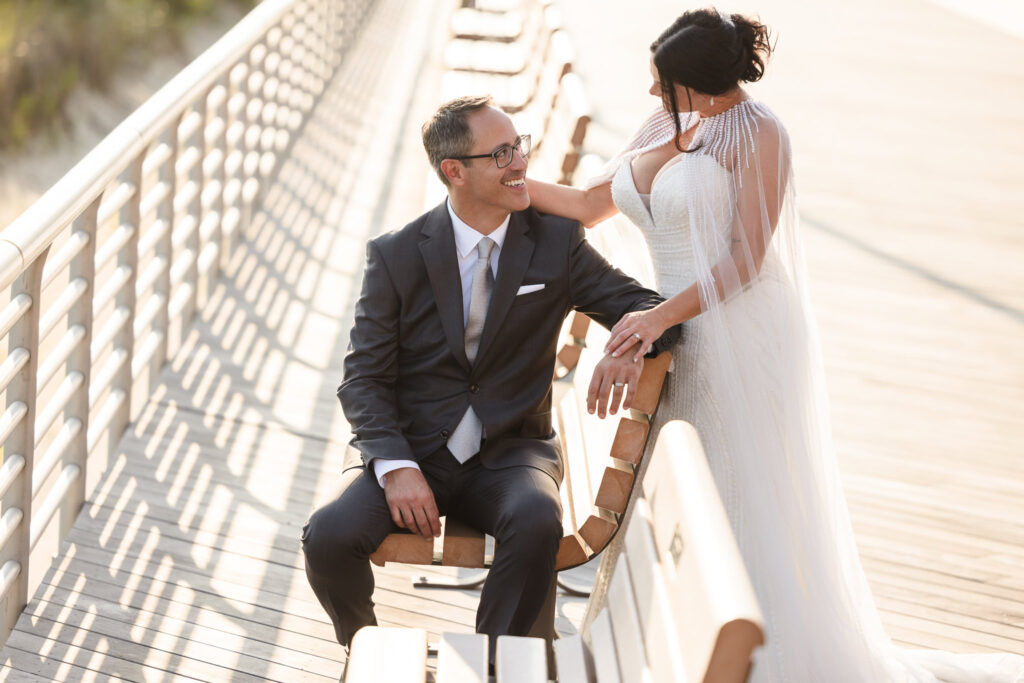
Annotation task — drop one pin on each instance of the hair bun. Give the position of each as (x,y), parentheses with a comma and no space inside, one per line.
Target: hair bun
(754,46)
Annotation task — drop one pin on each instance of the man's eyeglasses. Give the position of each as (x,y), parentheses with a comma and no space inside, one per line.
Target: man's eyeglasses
(503,155)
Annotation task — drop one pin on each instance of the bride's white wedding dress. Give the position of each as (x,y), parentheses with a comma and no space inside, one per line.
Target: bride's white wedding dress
(749,378)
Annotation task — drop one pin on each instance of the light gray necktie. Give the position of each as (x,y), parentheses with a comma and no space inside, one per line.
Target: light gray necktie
(465,440)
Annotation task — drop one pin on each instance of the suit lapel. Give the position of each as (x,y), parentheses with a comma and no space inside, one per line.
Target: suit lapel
(515,257)
(438,250)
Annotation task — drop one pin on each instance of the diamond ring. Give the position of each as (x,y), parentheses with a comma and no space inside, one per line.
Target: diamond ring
(638,338)
(618,384)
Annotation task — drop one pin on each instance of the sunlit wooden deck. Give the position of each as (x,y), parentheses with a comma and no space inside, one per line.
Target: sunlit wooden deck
(185,562)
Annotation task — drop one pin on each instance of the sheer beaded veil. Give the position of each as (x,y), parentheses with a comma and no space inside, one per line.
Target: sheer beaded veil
(761,404)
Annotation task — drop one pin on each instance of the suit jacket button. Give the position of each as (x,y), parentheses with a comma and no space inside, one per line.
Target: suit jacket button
(444,433)
(473,388)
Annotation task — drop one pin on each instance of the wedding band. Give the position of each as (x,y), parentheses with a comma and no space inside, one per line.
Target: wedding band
(637,336)
(618,384)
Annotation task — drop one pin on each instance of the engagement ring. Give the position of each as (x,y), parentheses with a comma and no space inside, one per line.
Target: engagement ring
(618,384)
(637,336)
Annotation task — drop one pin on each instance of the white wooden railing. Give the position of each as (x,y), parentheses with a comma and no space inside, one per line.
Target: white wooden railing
(101,277)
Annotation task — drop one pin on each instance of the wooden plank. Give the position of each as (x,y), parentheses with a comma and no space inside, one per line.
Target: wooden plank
(573,660)
(462,658)
(598,529)
(572,552)
(630,439)
(397,655)
(463,545)
(405,547)
(615,485)
(579,325)
(603,649)
(649,390)
(520,660)
(472,24)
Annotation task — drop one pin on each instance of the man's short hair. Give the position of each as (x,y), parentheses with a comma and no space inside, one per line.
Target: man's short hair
(446,134)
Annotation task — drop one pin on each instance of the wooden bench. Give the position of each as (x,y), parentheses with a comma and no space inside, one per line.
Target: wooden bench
(509,72)
(600,457)
(472,23)
(680,604)
(557,150)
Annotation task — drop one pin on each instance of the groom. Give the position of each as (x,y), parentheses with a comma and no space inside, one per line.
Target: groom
(447,382)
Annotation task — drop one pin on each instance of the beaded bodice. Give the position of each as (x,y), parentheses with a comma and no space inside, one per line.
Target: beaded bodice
(666,225)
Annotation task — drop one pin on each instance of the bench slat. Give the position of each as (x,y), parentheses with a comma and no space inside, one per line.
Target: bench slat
(520,660)
(404,546)
(598,529)
(397,655)
(572,552)
(602,647)
(573,661)
(630,440)
(462,658)
(625,624)
(472,24)
(616,482)
(649,391)
(463,545)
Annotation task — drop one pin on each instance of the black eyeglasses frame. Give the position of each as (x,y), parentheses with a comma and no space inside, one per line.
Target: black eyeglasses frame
(514,147)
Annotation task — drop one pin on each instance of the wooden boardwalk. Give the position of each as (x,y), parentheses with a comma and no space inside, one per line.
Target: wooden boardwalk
(185,562)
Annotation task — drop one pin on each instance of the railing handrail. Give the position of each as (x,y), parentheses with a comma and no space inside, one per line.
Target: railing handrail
(29,234)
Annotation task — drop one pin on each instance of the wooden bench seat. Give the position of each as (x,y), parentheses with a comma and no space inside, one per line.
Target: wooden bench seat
(680,604)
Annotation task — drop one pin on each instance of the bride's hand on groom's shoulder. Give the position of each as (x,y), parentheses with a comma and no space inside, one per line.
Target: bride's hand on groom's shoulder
(637,330)
(616,378)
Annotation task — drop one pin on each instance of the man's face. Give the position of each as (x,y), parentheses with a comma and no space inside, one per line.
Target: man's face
(487,187)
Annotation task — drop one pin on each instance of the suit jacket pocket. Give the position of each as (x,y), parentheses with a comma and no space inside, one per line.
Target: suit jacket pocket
(546,294)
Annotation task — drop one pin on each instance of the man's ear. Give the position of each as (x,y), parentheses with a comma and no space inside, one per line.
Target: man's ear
(454,171)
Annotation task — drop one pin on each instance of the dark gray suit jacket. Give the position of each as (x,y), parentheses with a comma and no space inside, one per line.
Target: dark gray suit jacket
(407,381)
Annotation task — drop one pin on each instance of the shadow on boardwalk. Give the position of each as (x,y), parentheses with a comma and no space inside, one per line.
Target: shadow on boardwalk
(186,562)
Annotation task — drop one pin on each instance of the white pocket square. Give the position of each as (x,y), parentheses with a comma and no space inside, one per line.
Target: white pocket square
(526,289)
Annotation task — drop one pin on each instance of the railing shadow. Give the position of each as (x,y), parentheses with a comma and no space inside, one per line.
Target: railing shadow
(186,560)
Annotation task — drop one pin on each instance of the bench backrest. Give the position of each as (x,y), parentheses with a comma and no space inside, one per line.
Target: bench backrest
(601,455)
(680,604)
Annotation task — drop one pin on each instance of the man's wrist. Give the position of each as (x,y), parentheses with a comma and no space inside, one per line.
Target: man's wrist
(384,467)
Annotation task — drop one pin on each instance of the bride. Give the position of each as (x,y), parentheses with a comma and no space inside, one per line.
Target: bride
(708,181)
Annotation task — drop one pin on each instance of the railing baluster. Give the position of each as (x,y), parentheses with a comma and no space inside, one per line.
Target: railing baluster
(21,443)
(80,360)
(192,211)
(164,250)
(128,258)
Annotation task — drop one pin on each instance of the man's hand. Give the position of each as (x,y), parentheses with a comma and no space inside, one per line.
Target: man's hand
(613,375)
(412,502)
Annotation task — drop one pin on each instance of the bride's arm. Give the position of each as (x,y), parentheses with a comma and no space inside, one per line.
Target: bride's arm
(589,207)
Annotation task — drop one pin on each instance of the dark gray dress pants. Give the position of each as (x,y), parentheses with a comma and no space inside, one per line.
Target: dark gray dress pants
(519,506)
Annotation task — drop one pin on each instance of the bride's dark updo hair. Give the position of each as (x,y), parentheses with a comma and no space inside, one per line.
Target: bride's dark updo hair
(710,53)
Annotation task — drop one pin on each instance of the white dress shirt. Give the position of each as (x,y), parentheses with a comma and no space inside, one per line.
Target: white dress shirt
(466,239)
